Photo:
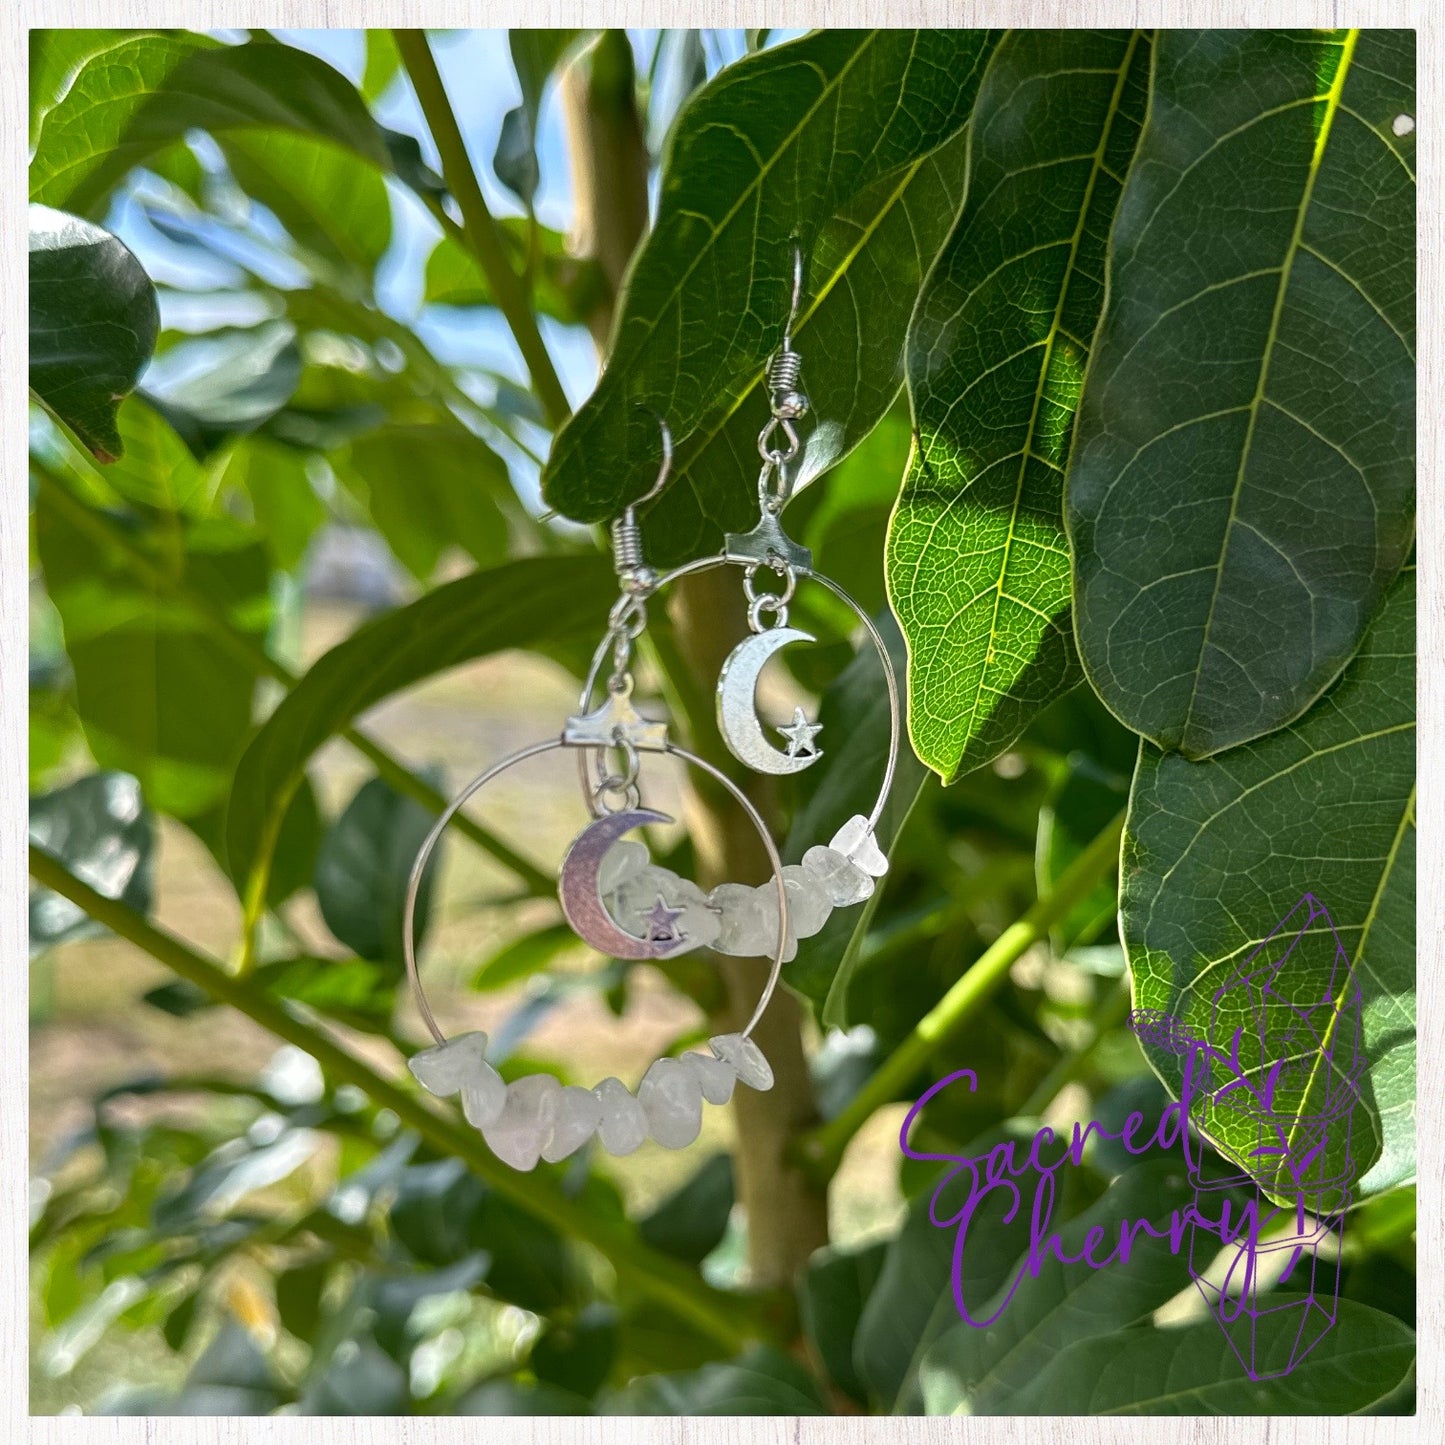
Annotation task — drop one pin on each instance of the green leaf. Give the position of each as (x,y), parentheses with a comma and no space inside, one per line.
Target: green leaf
(577,1354)
(912,1302)
(98,826)
(831,1299)
(773,149)
(1194,1371)
(535,55)
(362,869)
(1216,853)
(430,488)
(148,90)
(690,1222)
(760,1381)
(1241,491)
(352,991)
(333,202)
(979,1371)
(569,288)
(232,1377)
(535,603)
(517,1397)
(157,696)
(225,383)
(359,1380)
(383,61)
(978,567)
(274,478)
(298,1297)
(524,957)
(93,323)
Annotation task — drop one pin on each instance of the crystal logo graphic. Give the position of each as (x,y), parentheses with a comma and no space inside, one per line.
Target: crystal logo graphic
(1269,1068)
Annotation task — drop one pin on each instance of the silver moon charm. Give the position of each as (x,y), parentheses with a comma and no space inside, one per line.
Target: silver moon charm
(737,714)
(582,900)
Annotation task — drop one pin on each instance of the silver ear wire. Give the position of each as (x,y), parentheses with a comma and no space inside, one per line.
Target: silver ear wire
(627,559)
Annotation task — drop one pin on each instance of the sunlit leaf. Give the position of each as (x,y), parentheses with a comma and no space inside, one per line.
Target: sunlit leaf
(978,567)
(93,322)
(771,150)
(1242,483)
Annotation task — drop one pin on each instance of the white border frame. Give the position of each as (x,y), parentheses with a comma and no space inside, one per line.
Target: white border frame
(16,16)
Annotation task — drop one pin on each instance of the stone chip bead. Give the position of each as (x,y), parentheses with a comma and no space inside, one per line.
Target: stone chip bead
(746,1058)
(623,1124)
(809,905)
(671,1097)
(637,896)
(579,1112)
(623,860)
(843,881)
(523,1129)
(715,1077)
(459,1066)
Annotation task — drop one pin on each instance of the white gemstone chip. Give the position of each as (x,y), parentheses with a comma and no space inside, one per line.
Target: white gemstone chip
(524,1127)
(623,1126)
(808,902)
(623,860)
(671,1097)
(715,1077)
(579,1112)
(855,840)
(746,1058)
(631,904)
(844,882)
(484,1097)
(448,1068)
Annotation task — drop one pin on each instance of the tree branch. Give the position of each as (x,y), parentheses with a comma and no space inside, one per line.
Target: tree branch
(728,1319)
(822,1150)
(483,237)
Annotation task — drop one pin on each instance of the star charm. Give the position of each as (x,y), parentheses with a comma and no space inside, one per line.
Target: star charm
(800,734)
(662,923)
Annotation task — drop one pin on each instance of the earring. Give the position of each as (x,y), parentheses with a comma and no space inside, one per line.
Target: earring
(768,545)
(625,906)
(653,914)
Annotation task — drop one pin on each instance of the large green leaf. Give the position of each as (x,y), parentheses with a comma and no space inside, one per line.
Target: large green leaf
(1241,489)
(98,826)
(1216,853)
(333,203)
(93,323)
(771,151)
(362,867)
(867,265)
(430,488)
(1193,1370)
(761,1381)
(157,697)
(978,567)
(145,91)
(978,1371)
(523,604)
(535,55)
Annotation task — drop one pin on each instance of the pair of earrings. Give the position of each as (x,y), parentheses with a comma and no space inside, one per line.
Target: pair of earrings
(612,895)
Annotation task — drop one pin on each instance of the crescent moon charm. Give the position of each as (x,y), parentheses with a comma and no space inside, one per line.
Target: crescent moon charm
(737,715)
(582,901)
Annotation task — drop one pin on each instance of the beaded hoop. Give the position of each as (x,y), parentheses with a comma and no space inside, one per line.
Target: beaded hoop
(536,1117)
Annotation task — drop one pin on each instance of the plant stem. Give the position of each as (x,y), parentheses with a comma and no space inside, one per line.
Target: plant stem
(484,238)
(100,529)
(823,1148)
(729,1320)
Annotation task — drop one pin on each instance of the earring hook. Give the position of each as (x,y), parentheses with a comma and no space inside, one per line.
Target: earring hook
(627,559)
(666,469)
(797,300)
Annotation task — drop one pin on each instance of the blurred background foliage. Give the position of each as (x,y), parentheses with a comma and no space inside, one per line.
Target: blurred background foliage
(309,312)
